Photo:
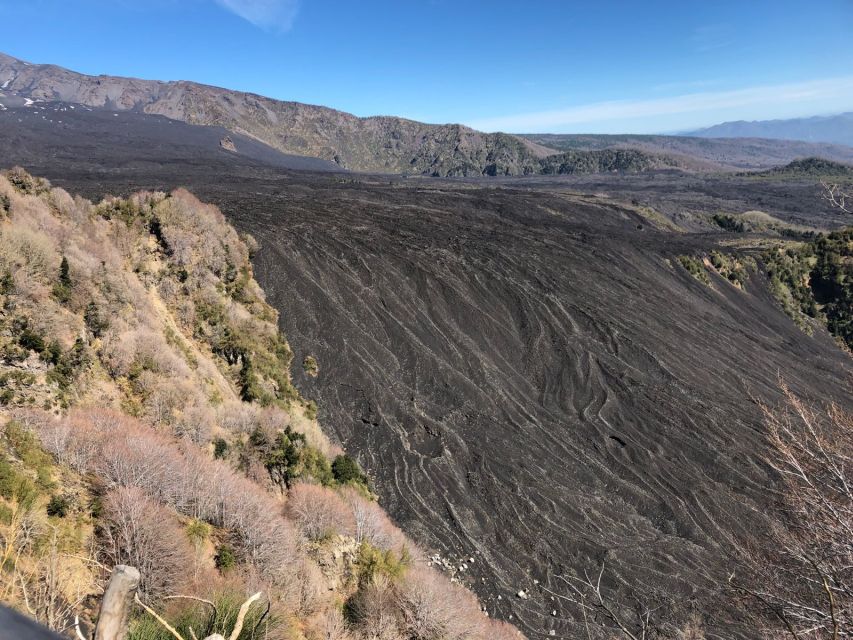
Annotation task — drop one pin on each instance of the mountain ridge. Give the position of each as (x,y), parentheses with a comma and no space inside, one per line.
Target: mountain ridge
(833,129)
(376,143)
(386,144)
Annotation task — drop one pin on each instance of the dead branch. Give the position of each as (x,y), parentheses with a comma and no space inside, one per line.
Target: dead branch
(838,196)
(197,599)
(154,615)
(241,616)
(77,631)
(587,594)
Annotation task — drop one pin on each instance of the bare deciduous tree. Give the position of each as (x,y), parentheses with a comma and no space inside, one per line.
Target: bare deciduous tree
(319,512)
(375,610)
(430,608)
(141,533)
(804,580)
(587,594)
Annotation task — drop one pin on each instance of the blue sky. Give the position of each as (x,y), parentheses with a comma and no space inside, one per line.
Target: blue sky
(606,66)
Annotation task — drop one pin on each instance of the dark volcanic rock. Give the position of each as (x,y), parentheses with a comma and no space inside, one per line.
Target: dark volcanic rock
(52,133)
(532,382)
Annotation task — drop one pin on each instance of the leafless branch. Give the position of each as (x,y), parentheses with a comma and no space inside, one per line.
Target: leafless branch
(197,599)
(77,631)
(154,615)
(587,594)
(241,616)
(838,196)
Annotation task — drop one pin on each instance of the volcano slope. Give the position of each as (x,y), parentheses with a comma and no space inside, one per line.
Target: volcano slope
(535,383)
(528,374)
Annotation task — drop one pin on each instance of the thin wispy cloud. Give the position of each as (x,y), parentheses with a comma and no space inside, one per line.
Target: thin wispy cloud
(712,37)
(275,15)
(775,100)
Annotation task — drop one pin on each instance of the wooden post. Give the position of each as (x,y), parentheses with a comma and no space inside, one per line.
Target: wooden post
(116,604)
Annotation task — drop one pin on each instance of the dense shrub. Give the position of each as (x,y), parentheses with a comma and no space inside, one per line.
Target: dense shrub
(694,267)
(220,448)
(287,457)
(816,279)
(225,558)
(728,222)
(346,470)
(62,288)
(58,506)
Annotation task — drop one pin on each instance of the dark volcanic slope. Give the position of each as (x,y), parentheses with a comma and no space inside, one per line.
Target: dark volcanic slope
(531,382)
(525,373)
(367,144)
(47,133)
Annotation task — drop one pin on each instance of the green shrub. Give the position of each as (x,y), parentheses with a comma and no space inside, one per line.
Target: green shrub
(311,410)
(816,279)
(220,448)
(62,288)
(7,283)
(27,338)
(15,486)
(58,506)
(259,623)
(310,366)
(346,470)
(225,558)
(731,268)
(695,267)
(52,353)
(96,323)
(198,531)
(288,457)
(373,561)
(729,223)
(69,365)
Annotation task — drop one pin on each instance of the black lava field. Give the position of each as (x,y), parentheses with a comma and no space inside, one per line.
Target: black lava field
(526,372)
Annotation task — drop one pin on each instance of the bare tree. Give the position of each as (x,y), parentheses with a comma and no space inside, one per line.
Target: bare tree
(839,196)
(319,512)
(52,590)
(588,595)
(804,579)
(431,608)
(139,532)
(333,626)
(374,608)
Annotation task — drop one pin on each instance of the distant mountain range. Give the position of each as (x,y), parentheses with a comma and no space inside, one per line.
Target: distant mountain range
(387,144)
(836,129)
(701,153)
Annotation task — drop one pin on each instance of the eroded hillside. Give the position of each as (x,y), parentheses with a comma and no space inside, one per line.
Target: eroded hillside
(148,418)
